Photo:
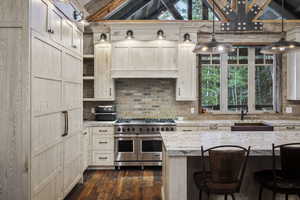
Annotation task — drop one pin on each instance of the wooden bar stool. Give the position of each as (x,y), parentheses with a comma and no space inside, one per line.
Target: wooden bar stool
(285,180)
(227,165)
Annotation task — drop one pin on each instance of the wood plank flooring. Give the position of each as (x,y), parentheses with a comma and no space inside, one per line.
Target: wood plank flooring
(126,184)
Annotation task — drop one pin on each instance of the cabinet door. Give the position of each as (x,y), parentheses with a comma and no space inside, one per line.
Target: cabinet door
(85,149)
(46,174)
(72,95)
(55,24)
(293,75)
(186,83)
(46,59)
(72,165)
(71,68)
(77,40)
(39,16)
(104,84)
(67,34)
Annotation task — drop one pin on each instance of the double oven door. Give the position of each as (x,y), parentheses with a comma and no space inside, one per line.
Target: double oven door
(140,148)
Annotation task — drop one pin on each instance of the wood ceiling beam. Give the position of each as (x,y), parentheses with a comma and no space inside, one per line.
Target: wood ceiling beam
(263,4)
(172,9)
(219,5)
(100,14)
(129,9)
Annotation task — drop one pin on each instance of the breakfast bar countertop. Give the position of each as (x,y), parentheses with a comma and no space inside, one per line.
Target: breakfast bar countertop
(189,143)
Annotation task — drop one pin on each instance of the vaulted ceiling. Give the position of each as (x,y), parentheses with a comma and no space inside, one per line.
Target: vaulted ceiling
(151,9)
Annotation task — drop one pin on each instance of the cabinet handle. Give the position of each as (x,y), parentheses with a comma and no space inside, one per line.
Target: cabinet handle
(109,91)
(102,158)
(102,131)
(178,91)
(85,133)
(102,142)
(290,127)
(66,116)
(49,30)
(74,46)
(185,130)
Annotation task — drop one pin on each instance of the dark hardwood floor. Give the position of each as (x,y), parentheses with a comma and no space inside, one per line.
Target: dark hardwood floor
(129,184)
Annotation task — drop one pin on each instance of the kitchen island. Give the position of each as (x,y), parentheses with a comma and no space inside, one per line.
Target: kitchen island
(181,158)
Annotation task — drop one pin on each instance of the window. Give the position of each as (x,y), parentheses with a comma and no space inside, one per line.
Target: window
(243,79)
(210,82)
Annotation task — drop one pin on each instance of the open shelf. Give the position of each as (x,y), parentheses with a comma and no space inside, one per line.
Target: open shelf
(88,78)
(88,56)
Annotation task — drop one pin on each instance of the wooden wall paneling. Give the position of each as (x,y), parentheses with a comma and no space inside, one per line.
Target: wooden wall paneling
(14,103)
(12,13)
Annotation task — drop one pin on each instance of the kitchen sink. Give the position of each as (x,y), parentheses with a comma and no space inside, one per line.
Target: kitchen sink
(251,127)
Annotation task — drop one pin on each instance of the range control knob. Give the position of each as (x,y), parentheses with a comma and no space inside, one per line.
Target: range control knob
(157,129)
(128,129)
(153,129)
(162,129)
(141,129)
(118,129)
(172,129)
(133,129)
(167,129)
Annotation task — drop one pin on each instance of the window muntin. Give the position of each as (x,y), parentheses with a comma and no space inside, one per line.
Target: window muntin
(245,79)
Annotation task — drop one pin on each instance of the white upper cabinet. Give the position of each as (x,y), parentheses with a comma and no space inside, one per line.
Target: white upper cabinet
(67,33)
(39,17)
(144,59)
(55,25)
(293,68)
(104,84)
(77,40)
(186,86)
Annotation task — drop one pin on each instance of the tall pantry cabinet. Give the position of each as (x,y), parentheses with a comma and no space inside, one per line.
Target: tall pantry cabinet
(41,106)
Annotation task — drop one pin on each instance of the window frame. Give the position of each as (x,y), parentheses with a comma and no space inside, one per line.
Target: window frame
(224,66)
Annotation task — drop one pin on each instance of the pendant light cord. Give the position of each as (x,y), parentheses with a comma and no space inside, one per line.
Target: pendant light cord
(213,17)
(282,11)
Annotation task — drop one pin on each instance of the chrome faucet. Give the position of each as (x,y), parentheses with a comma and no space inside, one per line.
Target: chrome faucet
(243,113)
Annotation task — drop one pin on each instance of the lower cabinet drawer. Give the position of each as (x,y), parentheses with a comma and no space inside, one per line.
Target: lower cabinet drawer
(103,159)
(103,143)
(187,129)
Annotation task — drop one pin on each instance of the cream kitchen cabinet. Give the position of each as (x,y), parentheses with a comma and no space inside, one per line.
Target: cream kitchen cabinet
(57,119)
(293,76)
(186,85)
(104,84)
(102,147)
(293,68)
(85,148)
(55,25)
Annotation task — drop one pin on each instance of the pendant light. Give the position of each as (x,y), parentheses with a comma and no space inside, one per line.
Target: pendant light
(213,47)
(282,46)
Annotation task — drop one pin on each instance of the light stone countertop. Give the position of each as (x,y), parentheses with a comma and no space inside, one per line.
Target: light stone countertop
(228,123)
(189,144)
(203,123)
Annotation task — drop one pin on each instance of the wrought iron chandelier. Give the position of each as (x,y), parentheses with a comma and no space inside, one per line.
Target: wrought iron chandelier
(213,47)
(283,45)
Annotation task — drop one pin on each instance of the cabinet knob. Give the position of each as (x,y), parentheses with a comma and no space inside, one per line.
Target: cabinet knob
(74,46)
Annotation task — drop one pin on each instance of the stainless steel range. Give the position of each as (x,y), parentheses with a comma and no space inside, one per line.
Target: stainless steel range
(138,141)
